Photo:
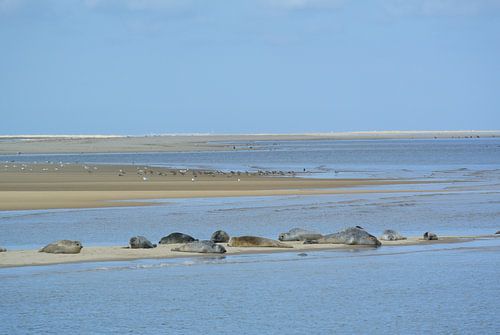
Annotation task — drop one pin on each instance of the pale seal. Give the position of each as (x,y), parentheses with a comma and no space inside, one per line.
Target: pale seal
(220,236)
(430,236)
(349,236)
(177,238)
(391,235)
(140,242)
(255,241)
(63,247)
(299,234)
(204,247)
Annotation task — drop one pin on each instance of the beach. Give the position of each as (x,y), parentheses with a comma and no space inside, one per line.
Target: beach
(57,185)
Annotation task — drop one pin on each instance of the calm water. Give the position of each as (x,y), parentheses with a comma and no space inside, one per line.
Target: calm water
(439,289)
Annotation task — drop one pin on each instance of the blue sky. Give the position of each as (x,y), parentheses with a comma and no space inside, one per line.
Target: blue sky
(172,66)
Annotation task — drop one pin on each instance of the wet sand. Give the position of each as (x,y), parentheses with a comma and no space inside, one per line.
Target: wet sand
(122,253)
(10,144)
(55,185)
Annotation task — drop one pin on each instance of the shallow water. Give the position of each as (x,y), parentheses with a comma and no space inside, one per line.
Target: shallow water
(438,289)
(422,289)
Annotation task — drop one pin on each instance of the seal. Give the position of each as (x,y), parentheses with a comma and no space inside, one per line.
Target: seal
(255,241)
(430,236)
(299,234)
(349,236)
(203,247)
(497,233)
(140,242)
(3,249)
(391,235)
(220,236)
(177,238)
(63,247)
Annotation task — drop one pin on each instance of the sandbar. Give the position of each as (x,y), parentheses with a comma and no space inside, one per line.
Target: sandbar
(122,253)
(57,185)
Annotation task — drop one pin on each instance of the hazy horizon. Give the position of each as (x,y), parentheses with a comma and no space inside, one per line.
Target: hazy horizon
(266,66)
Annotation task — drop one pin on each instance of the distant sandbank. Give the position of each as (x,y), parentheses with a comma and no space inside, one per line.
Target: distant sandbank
(26,186)
(32,144)
(122,253)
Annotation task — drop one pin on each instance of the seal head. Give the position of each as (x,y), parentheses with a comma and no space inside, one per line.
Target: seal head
(220,236)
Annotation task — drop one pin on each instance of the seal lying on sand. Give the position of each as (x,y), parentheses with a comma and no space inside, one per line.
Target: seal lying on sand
(299,234)
(140,242)
(220,236)
(3,249)
(63,247)
(430,236)
(391,235)
(203,247)
(177,238)
(350,236)
(255,241)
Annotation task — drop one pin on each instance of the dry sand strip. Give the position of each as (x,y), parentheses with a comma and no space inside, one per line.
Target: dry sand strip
(120,253)
(49,186)
(13,144)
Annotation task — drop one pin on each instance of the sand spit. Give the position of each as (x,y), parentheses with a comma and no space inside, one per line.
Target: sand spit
(121,253)
(58,185)
(14,144)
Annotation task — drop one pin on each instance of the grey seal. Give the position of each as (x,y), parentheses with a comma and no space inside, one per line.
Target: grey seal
(497,233)
(3,249)
(203,247)
(63,247)
(299,234)
(349,236)
(220,236)
(140,242)
(177,238)
(255,241)
(430,236)
(391,235)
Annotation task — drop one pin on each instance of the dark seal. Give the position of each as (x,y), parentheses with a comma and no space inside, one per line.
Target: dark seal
(177,238)
(220,236)
(140,242)
(430,236)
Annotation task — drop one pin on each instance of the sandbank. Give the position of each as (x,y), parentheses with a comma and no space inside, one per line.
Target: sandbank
(48,186)
(122,253)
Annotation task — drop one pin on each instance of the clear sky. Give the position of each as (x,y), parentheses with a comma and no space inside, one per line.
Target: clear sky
(251,66)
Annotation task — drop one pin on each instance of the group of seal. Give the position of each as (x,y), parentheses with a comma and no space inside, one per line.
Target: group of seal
(350,236)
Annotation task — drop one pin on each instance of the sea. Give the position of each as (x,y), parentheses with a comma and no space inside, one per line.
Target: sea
(437,289)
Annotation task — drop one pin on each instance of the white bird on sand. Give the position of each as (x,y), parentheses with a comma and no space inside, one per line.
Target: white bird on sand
(145,178)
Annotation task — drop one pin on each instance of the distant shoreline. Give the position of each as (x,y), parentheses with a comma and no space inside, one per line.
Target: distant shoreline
(53,144)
